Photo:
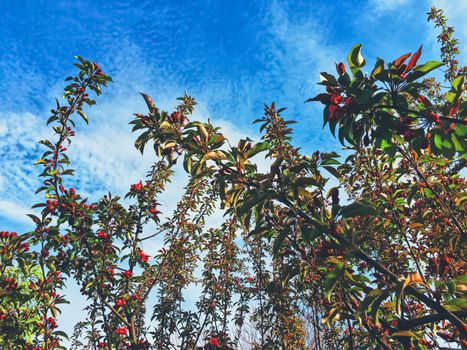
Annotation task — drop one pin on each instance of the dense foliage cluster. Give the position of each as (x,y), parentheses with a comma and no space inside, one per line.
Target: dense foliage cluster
(367,252)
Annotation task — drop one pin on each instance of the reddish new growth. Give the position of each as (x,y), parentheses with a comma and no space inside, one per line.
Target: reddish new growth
(337,104)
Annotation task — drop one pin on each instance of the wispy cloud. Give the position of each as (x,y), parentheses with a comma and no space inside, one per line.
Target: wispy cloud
(387,5)
(14,212)
(19,133)
(281,62)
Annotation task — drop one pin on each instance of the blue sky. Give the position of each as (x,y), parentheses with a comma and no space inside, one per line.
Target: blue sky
(231,55)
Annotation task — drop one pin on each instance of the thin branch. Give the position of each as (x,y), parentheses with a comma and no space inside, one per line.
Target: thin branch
(116,313)
(420,321)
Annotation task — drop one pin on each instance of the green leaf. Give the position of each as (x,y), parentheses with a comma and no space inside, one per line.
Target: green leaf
(34,217)
(388,147)
(330,316)
(457,144)
(358,209)
(169,144)
(379,67)
(38,205)
(375,307)
(278,241)
(398,296)
(448,149)
(332,278)
(305,182)
(250,200)
(457,83)
(369,298)
(257,148)
(456,304)
(142,140)
(62,218)
(310,234)
(451,97)
(51,266)
(423,69)
(349,130)
(460,130)
(330,161)
(61,334)
(437,140)
(355,58)
(451,286)
(83,115)
(332,170)
(187,163)
(213,155)
(327,78)
(40,161)
(447,144)
(409,334)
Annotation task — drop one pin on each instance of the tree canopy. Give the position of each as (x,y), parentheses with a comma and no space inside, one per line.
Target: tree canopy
(359,250)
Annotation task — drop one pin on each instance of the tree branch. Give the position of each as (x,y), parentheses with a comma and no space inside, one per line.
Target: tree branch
(409,324)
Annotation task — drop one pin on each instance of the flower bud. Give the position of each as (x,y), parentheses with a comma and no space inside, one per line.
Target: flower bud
(340,68)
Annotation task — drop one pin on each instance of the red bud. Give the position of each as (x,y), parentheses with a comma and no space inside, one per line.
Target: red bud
(340,68)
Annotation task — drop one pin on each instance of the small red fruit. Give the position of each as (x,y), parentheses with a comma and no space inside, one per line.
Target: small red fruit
(214,341)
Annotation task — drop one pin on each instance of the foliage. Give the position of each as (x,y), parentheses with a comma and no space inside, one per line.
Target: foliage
(375,261)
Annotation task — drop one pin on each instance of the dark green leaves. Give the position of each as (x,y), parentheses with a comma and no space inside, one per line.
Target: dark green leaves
(447,144)
(378,69)
(332,278)
(250,200)
(358,209)
(309,234)
(279,240)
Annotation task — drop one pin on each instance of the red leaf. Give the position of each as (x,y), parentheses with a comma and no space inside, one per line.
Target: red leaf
(454,109)
(148,101)
(336,112)
(397,63)
(413,60)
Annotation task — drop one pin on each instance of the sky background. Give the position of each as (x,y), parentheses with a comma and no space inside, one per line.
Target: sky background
(232,56)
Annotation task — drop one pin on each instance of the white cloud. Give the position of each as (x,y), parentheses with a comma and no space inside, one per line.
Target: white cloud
(14,211)
(19,133)
(299,49)
(388,5)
